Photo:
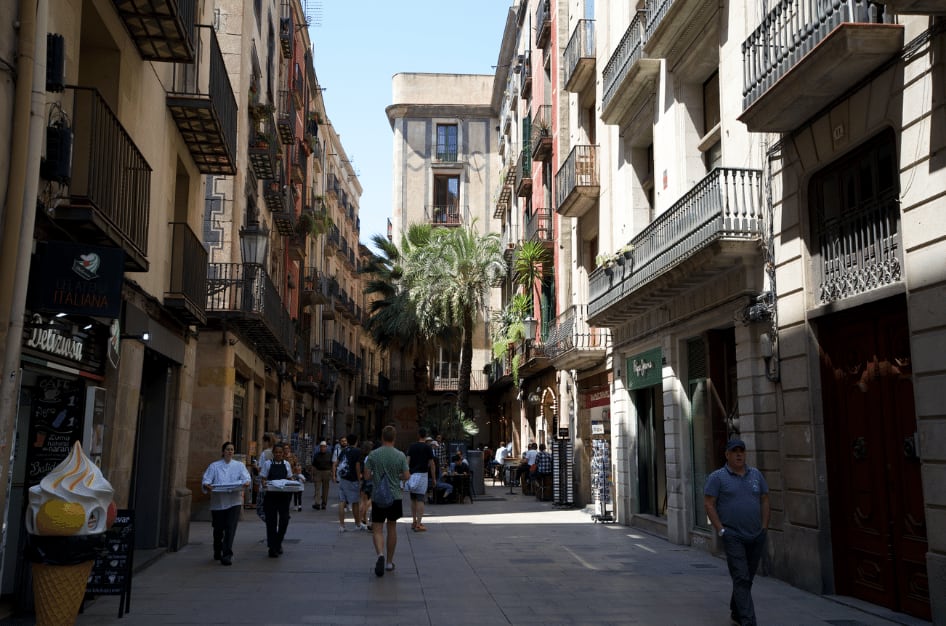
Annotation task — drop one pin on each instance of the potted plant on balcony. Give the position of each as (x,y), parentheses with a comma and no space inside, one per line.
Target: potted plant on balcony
(624,253)
(541,128)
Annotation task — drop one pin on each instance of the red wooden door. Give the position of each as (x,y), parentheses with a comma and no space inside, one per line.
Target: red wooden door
(877,519)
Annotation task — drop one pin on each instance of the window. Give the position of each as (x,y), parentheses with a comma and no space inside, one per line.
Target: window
(447,142)
(446,209)
(711,145)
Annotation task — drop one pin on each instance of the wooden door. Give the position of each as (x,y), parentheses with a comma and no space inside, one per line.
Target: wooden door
(877,518)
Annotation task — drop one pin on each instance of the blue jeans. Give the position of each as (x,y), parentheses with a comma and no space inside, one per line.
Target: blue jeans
(743,556)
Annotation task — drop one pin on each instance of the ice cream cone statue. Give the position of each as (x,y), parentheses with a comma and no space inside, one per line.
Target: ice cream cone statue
(69,512)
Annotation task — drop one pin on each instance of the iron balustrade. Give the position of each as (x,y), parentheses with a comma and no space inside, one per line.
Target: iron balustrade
(206,82)
(791,30)
(188,283)
(726,204)
(543,23)
(581,45)
(628,52)
(445,214)
(109,173)
(244,293)
(579,170)
(163,30)
(538,226)
(524,169)
(570,332)
(656,11)
(286,117)
(861,250)
(404,380)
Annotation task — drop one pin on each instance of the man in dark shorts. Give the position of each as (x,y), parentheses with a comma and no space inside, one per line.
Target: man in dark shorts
(389,464)
(420,460)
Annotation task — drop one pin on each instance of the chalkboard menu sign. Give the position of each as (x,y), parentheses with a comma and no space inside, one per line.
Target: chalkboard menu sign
(56,415)
(111,573)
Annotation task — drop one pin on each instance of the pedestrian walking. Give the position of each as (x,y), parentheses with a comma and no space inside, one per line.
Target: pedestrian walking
(736,498)
(387,464)
(420,461)
(225,480)
(347,471)
(298,476)
(321,475)
(364,492)
(276,503)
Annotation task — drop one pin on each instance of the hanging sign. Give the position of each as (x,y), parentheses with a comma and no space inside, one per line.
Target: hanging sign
(644,369)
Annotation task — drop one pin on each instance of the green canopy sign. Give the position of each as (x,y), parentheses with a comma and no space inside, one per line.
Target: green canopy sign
(644,369)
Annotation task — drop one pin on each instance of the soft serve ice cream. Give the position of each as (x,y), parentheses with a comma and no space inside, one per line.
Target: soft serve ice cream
(73,499)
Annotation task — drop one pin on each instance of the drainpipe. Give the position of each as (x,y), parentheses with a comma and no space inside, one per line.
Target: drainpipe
(29,124)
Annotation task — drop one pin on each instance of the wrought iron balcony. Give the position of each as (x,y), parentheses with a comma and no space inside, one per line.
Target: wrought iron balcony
(543,24)
(510,239)
(202,104)
(677,27)
(276,197)
(504,192)
(286,29)
(718,222)
(524,172)
(286,117)
(542,133)
(629,77)
(187,292)
(314,287)
(244,296)
(580,57)
(538,226)
(445,215)
(807,53)
(163,30)
(298,161)
(263,152)
(525,77)
(573,344)
(407,380)
(109,200)
(577,185)
(332,187)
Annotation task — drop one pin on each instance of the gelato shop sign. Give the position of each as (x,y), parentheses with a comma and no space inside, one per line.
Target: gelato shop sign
(644,369)
(46,337)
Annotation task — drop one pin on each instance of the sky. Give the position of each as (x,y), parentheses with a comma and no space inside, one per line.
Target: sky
(361,44)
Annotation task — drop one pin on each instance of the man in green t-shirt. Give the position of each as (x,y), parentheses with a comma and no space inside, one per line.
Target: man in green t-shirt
(389,464)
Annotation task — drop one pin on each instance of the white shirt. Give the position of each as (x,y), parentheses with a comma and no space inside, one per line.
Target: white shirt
(223,473)
(501,454)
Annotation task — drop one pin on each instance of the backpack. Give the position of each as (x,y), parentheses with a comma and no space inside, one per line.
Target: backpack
(382,495)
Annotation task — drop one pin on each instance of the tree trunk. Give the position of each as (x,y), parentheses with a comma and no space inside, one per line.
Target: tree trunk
(420,390)
(466,368)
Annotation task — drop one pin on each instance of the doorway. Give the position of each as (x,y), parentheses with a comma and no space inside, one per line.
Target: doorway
(651,454)
(878,523)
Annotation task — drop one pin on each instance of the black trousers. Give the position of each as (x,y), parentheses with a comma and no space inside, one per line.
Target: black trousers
(276,507)
(224,523)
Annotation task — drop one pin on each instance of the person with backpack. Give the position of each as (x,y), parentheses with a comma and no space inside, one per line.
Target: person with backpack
(348,477)
(385,467)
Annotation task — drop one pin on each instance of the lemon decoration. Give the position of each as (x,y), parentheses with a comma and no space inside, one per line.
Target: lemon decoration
(58,517)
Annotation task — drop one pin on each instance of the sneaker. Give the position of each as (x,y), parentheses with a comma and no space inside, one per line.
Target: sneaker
(342,529)
(389,567)
(379,567)
(315,507)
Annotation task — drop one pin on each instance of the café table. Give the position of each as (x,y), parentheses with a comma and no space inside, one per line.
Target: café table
(462,486)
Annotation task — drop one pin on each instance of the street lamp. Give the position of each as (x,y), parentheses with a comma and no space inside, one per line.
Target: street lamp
(253,243)
(529,325)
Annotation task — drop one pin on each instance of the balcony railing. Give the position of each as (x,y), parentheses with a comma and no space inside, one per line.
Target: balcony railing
(298,160)
(286,117)
(201,101)
(314,287)
(445,215)
(187,292)
(580,57)
(542,133)
(286,30)
(577,185)
(543,23)
(830,43)
(163,30)
(263,150)
(627,73)
(524,172)
(246,298)
(572,343)
(110,190)
(725,205)
(525,74)
(403,380)
(539,226)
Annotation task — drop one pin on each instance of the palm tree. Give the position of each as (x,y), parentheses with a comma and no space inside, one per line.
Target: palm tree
(528,267)
(450,280)
(393,321)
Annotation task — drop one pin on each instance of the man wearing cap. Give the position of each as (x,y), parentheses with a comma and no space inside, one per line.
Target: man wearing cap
(736,498)
(321,475)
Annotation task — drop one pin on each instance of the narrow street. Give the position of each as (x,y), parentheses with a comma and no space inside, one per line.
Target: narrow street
(505,559)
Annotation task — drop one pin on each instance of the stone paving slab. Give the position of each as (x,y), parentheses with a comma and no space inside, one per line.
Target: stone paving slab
(501,560)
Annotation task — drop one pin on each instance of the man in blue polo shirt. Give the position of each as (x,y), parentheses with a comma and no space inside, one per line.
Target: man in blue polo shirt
(736,498)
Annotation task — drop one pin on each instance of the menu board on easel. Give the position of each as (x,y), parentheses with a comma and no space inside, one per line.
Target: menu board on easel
(111,573)
(56,417)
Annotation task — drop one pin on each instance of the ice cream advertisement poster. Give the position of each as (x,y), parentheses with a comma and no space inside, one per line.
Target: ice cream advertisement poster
(56,420)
